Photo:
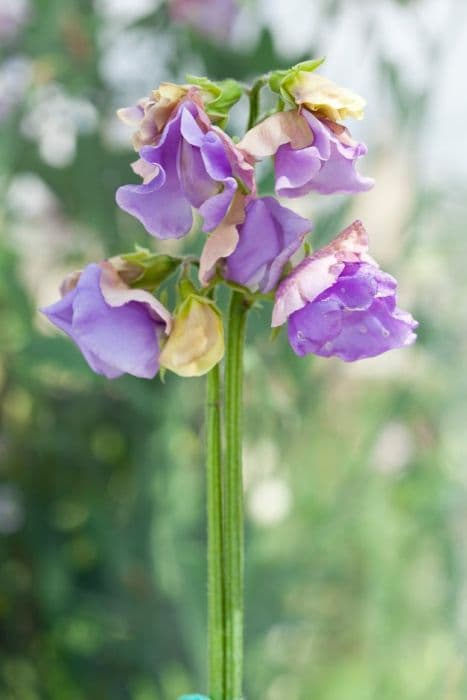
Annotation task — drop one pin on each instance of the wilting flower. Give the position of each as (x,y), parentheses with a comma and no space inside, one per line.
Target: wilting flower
(338,302)
(196,342)
(193,165)
(211,18)
(310,153)
(319,94)
(268,237)
(117,329)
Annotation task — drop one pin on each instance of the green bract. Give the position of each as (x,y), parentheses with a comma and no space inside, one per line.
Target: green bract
(148,270)
(280,80)
(219,97)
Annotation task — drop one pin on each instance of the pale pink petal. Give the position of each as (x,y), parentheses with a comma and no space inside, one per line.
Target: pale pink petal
(147,171)
(132,116)
(223,240)
(275,131)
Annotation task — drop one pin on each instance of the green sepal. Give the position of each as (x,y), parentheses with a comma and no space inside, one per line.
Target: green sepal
(219,97)
(154,268)
(280,80)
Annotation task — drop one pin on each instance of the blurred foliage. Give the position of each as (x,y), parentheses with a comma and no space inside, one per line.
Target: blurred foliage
(355,476)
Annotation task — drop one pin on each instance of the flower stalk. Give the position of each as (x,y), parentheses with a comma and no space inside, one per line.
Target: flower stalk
(234,537)
(216,594)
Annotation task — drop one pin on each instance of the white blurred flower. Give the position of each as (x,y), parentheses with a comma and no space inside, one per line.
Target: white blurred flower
(394,448)
(15,78)
(54,120)
(269,501)
(125,10)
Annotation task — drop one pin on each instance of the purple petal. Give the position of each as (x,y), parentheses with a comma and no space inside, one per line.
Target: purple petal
(114,340)
(215,208)
(161,205)
(355,318)
(270,234)
(295,170)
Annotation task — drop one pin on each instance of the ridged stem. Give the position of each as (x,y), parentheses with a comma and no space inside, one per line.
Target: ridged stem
(216,595)
(233,497)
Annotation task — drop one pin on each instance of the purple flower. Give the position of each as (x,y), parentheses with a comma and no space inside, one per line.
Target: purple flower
(116,328)
(191,166)
(338,302)
(310,153)
(268,237)
(211,18)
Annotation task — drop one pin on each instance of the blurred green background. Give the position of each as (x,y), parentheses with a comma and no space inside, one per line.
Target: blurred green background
(355,475)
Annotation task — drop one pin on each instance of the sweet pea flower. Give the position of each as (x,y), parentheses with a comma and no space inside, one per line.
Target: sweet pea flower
(196,696)
(268,237)
(118,329)
(193,164)
(311,153)
(339,303)
(196,342)
(319,94)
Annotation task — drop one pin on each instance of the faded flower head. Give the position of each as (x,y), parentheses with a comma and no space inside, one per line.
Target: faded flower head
(338,302)
(196,342)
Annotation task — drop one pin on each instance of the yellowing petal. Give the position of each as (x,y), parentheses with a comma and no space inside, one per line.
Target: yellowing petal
(319,94)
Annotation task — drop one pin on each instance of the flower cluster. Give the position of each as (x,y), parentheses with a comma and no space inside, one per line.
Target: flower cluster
(336,302)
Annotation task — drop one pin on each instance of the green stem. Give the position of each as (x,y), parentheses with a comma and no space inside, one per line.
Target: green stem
(254,102)
(216,613)
(233,529)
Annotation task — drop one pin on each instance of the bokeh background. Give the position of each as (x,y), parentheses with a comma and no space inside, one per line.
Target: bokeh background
(355,475)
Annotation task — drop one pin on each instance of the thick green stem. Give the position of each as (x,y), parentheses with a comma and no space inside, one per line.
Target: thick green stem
(233,497)
(216,594)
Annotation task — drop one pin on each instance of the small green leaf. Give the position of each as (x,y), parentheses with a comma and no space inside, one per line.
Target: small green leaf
(219,97)
(153,268)
(280,80)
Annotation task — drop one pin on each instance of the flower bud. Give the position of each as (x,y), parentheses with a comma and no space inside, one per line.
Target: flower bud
(196,342)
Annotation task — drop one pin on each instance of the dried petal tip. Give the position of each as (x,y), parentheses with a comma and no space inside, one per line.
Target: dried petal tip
(196,343)
(319,94)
